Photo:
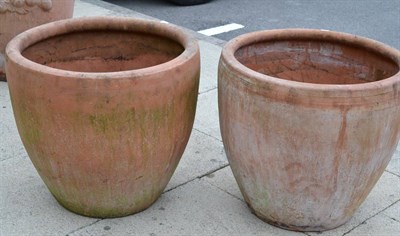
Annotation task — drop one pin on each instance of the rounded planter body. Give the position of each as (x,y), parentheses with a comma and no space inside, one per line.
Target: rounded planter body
(309,120)
(104,107)
(17,16)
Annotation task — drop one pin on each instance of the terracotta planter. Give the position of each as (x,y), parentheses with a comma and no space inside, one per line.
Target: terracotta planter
(17,16)
(104,107)
(309,120)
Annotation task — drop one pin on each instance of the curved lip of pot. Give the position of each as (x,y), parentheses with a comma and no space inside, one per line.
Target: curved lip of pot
(32,36)
(252,77)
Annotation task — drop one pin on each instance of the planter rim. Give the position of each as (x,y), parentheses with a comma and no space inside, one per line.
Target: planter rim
(251,77)
(128,24)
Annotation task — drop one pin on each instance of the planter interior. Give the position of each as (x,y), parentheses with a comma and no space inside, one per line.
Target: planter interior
(316,61)
(103,51)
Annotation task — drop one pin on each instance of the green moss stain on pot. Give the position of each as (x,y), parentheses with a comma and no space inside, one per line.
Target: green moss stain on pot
(102,202)
(102,122)
(146,123)
(111,122)
(117,208)
(29,125)
(261,200)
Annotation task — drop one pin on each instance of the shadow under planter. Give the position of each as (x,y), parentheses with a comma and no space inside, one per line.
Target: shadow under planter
(309,121)
(104,107)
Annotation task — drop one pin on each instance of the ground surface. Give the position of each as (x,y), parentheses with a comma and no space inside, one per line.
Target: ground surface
(376,19)
(202,197)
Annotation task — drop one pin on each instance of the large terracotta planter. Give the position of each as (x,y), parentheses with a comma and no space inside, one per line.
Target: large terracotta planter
(104,107)
(309,120)
(17,16)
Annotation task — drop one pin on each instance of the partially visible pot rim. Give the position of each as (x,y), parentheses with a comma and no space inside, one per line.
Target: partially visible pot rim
(28,38)
(252,77)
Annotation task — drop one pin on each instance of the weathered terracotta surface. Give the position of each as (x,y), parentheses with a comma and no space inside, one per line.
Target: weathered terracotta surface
(17,16)
(106,129)
(309,120)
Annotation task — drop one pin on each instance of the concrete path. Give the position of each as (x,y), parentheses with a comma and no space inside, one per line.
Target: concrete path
(201,199)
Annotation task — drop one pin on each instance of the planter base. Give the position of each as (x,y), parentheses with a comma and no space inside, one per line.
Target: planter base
(105,213)
(293,227)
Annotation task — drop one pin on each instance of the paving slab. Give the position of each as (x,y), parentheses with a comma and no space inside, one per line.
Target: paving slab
(196,208)
(394,164)
(382,196)
(210,54)
(27,207)
(393,212)
(224,180)
(379,225)
(203,155)
(99,7)
(85,9)
(207,118)
(10,142)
